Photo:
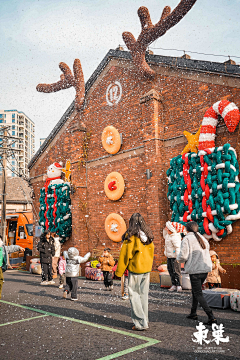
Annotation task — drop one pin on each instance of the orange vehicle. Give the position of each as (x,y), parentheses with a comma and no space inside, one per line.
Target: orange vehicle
(20,229)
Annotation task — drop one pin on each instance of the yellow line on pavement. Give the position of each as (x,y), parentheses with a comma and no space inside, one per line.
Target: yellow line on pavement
(149,341)
(17,321)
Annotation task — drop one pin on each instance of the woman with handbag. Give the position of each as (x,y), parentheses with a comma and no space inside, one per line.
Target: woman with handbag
(136,255)
(107,262)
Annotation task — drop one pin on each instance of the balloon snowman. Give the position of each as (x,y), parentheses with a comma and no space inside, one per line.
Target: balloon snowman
(55,203)
(54,173)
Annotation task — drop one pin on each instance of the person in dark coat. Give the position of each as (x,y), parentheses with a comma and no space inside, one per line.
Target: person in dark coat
(46,249)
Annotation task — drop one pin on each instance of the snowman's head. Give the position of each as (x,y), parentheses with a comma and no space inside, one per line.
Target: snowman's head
(54,170)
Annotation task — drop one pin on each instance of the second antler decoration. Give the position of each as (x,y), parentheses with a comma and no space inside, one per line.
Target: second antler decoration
(67,80)
(152,32)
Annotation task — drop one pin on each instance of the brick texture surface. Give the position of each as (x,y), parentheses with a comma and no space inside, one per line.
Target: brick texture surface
(148,123)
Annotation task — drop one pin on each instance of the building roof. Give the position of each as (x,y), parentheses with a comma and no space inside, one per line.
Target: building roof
(20,112)
(18,191)
(168,61)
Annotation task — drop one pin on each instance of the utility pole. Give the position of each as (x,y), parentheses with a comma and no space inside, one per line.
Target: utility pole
(4,187)
(6,151)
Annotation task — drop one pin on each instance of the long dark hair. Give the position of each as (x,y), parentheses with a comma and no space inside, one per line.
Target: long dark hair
(137,223)
(43,237)
(192,226)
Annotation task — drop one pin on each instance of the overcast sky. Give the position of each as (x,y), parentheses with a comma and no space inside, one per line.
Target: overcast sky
(35,35)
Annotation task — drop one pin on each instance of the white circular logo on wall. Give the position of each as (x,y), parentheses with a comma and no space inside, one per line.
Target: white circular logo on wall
(114,93)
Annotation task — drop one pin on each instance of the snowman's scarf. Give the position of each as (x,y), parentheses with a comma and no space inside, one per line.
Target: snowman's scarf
(47,182)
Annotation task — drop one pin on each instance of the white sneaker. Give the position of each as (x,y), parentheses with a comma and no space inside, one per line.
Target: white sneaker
(125,297)
(60,286)
(65,294)
(44,283)
(74,299)
(173,288)
(51,282)
(111,287)
(179,289)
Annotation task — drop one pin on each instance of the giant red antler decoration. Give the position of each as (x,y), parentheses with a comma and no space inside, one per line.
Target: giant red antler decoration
(67,80)
(151,32)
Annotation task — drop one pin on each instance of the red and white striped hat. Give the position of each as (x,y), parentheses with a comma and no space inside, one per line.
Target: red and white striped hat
(176,227)
(58,165)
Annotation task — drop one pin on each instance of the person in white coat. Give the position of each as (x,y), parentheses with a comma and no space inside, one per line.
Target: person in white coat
(194,253)
(172,248)
(56,257)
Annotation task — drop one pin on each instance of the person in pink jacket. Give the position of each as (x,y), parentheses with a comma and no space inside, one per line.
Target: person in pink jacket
(213,278)
(61,270)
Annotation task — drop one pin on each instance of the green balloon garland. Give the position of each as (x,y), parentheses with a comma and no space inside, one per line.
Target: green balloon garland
(204,187)
(55,210)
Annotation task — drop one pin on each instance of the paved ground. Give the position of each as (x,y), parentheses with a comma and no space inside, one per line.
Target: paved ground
(37,323)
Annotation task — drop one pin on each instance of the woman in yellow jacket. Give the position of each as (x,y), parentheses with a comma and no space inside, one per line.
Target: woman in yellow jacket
(137,256)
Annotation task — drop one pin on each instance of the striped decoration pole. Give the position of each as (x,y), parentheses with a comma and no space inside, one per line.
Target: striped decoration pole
(229,112)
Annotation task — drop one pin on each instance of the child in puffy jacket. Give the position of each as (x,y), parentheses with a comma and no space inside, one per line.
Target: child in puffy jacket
(213,278)
(107,262)
(73,261)
(61,270)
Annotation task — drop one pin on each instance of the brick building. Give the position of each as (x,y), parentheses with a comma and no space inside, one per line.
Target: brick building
(151,116)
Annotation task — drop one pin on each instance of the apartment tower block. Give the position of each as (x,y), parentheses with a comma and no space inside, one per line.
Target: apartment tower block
(23,128)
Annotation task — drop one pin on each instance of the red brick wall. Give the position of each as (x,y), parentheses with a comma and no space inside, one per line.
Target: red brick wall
(181,107)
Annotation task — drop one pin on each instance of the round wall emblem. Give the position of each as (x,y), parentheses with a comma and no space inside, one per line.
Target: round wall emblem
(115,227)
(111,140)
(114,93)
(114,186)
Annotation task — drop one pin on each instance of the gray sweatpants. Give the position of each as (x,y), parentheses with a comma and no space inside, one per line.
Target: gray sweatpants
(138,288)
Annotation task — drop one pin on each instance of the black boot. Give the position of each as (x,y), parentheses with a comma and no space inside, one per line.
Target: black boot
(192,316)
(210,321)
